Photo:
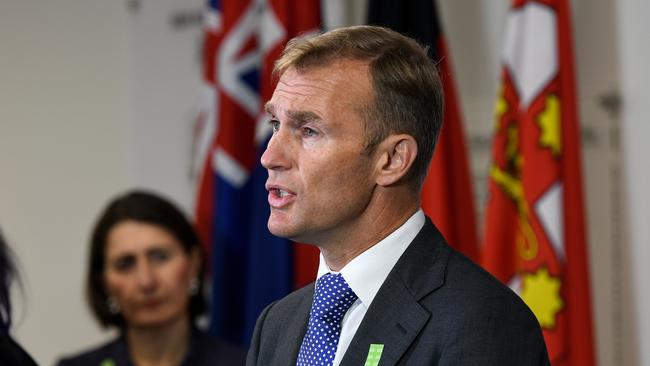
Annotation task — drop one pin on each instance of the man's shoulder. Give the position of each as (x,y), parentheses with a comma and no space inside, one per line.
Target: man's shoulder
(470,291)
(281,325)
(472,318)
(288,305)
(463,274)
(444,281)
(451,275)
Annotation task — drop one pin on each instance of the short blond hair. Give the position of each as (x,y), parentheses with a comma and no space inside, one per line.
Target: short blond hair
(407,89)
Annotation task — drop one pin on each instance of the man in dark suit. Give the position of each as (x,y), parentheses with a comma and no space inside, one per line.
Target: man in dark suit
(355,116)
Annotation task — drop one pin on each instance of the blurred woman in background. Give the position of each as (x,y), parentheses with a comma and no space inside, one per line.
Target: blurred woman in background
(11,354)
(145,277)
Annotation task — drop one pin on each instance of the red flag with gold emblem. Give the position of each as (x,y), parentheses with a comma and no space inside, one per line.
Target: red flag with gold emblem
(535,232)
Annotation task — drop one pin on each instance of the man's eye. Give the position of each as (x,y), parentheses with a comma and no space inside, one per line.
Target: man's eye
(275,125)
(309,132)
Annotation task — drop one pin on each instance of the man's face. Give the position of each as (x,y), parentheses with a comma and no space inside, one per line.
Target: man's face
(320,179)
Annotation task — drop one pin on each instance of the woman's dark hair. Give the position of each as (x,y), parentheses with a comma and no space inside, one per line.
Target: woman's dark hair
(7,275)
(144,207)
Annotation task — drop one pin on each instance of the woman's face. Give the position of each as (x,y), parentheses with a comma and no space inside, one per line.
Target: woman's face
(149,273)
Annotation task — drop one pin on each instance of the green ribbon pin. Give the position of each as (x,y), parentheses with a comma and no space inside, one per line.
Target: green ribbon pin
(107,362)
(374,354)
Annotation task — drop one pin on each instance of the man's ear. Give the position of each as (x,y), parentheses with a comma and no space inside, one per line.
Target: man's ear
(396,156)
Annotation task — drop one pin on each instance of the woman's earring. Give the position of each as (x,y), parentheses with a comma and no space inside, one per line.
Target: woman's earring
(194,287)
(113,306)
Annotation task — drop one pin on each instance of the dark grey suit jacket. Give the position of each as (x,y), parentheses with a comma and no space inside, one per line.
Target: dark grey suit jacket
(435,308)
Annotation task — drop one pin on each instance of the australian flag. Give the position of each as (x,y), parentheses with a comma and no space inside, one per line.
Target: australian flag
(249,267)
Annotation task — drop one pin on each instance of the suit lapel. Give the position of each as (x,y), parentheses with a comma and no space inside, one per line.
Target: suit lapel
(296,324)
(395,317)
(392,323)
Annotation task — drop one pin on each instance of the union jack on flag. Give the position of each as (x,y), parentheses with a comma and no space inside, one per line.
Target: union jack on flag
(249,267)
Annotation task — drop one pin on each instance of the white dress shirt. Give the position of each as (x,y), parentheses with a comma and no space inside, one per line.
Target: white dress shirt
(367,272)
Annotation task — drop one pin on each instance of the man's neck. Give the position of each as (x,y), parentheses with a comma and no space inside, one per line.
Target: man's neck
(337,255)
(162,345)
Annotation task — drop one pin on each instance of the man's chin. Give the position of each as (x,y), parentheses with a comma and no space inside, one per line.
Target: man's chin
(281,230)
(288,232)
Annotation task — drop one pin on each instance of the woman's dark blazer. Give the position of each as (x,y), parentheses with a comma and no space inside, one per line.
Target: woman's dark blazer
(203,351)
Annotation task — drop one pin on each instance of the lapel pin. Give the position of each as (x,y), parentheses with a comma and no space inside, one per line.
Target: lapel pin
(107,362)
(374,354)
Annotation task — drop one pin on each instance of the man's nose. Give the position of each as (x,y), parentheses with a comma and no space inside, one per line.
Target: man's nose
(275,157)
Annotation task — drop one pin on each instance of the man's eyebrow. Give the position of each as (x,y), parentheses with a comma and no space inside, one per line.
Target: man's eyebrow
(297,116)
(269,108)
(303,116)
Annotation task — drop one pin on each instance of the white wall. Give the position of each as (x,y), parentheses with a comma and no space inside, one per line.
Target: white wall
(97,96)
(633,34)
(63,90)
(165,84)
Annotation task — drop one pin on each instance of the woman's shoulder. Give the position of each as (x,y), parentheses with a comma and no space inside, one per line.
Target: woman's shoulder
(103,355)
(211,351)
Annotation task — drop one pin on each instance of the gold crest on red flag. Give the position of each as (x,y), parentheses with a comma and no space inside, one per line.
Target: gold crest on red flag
(534,238)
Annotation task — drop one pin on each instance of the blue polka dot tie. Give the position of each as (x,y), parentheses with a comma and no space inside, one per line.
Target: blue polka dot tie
(332,299)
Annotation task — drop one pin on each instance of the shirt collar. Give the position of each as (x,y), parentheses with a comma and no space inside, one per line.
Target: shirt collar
(367,272)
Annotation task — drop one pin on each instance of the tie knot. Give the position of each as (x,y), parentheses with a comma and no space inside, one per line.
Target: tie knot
(332,299)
